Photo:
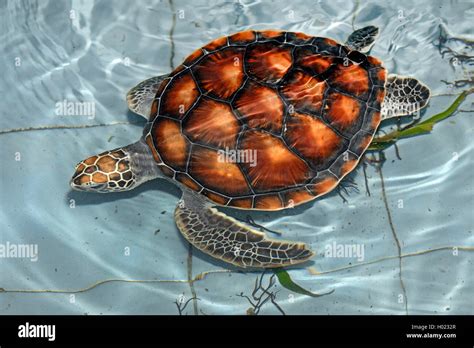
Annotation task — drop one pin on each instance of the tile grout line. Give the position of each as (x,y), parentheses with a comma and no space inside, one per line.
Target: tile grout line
(392,228)
(173,25)
(190,278)
(203,275)
(314,271)
(52,127)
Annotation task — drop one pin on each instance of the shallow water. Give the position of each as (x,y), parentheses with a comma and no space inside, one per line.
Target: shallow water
(93,52)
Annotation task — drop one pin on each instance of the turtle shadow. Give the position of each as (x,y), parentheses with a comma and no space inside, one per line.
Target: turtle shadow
(162,185)
(135,118)
(267,216)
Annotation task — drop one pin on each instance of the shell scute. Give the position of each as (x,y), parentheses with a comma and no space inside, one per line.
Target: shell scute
(193,57)
(179,96)
(242,203)
(268,202)
(342,111)
(352,79)
(304,92)
(260,107)
(170,142)
(323,183)
(221,73)
(243,37)
(298,38)
(188,181)
(268,62)
(360,142)
(344,164)
(313,62)
(216,44)
(212,123)
(277,167)
(297,196)
(326,46)
(216,197)
(208,168)
(266,119)
(277,35)
(313,139)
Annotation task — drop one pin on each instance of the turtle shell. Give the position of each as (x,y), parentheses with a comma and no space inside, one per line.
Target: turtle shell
(266,119)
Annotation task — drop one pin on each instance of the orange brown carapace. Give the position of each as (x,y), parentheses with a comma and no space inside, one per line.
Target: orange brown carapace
(276,167)
(352,79)
(171,144)
(180,96)
(242,37)
(221,73)
(304,92)
(316,63)
(225,177)
(297,105)
(268,202)
(212,123)
(260,107)
(268,62)
(313,139)
(343,111)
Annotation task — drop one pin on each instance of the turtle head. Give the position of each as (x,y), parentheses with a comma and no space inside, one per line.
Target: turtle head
(109,171)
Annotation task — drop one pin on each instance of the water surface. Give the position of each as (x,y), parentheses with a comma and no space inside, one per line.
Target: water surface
(94,51)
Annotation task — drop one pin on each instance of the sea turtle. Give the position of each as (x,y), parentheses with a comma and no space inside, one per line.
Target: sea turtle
(258,120)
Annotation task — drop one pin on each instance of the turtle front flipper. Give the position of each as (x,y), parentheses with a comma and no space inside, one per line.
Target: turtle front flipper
(404,96)
(363,39)
(225,238)
(140,97)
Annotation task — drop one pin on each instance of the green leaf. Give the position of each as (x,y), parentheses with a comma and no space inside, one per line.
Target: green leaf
(424,127)
(286,281)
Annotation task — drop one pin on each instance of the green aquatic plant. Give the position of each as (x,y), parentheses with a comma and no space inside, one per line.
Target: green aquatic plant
(414,129)
(286,281)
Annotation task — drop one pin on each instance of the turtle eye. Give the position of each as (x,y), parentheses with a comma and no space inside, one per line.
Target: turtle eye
(77,182)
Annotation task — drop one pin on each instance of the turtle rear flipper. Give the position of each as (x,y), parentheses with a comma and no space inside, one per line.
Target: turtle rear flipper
(404,96)
(140,97)
(363,39)
(225,238)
